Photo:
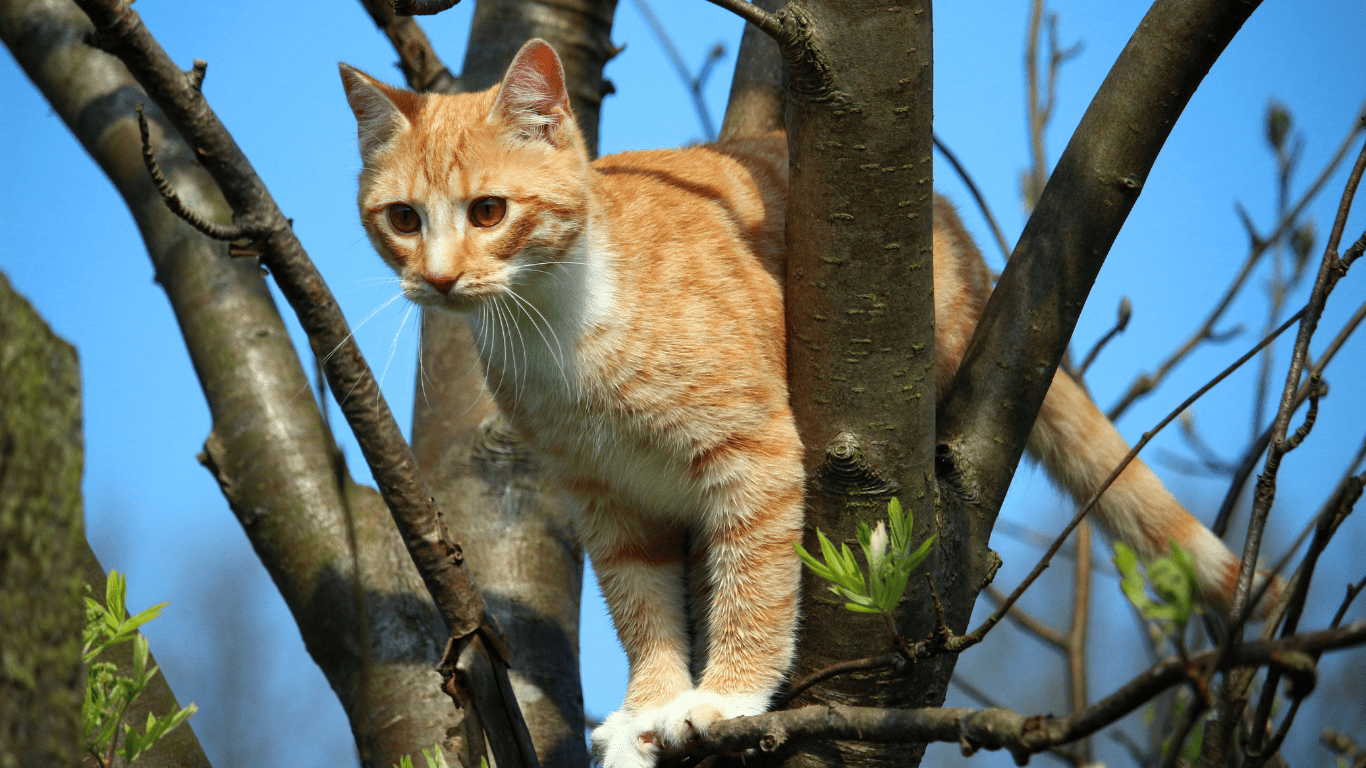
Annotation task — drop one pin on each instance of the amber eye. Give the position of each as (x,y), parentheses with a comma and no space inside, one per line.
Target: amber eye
(487,211)
(404,218)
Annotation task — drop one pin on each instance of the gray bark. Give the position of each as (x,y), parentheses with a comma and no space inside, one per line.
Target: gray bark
(860,317)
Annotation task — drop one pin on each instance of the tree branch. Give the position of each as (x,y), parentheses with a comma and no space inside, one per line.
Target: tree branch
(1000,728)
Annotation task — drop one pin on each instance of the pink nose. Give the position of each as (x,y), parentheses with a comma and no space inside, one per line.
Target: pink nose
(443,283)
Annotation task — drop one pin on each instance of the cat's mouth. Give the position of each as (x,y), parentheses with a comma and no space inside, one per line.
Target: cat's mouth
(458,299)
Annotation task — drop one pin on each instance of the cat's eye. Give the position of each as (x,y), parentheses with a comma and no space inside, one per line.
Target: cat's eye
(404,218)
(487,211)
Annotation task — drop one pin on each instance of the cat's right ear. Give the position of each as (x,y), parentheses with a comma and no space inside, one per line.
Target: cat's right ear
(381,112)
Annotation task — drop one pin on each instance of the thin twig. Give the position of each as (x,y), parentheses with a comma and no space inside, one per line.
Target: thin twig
(1126,311)
(976,195)
(1043,563)
(1027,622)
(238,231)
(693,84)
(1249,461)
(1076,633)
(834,670)
(1147,382)
(1233,696)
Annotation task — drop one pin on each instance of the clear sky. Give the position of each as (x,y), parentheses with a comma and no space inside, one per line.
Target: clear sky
(68,244)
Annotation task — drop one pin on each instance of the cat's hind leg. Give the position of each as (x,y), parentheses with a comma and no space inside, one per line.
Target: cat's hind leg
(639,565)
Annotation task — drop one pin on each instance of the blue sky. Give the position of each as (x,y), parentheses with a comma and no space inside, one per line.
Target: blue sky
(68,244)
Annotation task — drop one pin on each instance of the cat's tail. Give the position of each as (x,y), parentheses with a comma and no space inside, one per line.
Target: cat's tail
(1079,448)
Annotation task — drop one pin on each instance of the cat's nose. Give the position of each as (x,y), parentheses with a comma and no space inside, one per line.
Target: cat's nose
(443,283)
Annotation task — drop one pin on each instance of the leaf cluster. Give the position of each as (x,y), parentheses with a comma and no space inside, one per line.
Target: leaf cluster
(108,694)
(1173,580)
(889,569)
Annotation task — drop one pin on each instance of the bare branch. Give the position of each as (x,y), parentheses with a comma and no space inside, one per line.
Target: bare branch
(423,7)
(764,21)
(1233,697)
(1126,311)
(1086,201)
(976,195)
(977,634)
(238,231)
(1001,728)
(1147,382)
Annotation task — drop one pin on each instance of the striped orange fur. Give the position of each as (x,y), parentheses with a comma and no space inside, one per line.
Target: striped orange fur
(629,314)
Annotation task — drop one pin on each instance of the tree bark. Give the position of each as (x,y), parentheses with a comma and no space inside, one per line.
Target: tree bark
(860,318)
(47,564)
(269,449)
(42,679)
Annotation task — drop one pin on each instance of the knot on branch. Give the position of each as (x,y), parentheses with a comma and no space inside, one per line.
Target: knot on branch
(806,71)
(950,474)
(847,471)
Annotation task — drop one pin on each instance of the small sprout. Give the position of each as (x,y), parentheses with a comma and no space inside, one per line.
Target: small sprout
(1172,578)
(886,549)
(1278,124)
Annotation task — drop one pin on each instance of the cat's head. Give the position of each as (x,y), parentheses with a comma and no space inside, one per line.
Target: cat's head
(472,195)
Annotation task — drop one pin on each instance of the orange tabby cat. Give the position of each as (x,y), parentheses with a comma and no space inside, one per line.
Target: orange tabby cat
(629,315)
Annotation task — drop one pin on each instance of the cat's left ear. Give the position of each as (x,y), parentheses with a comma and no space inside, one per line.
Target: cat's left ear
(532,96)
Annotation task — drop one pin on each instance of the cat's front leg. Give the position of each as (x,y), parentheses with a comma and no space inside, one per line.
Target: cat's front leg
(753,576)
(639,565)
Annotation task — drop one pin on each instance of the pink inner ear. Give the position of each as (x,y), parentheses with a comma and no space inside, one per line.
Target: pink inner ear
(536,73)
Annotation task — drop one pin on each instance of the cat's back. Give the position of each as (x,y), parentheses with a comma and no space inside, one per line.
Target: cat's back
(668,199)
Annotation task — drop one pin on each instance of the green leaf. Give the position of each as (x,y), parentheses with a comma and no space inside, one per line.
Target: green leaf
(1131,581)
(814,564)
(435,758)
(861,608)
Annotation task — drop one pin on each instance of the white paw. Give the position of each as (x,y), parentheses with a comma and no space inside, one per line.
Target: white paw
(693,713)
(626,739)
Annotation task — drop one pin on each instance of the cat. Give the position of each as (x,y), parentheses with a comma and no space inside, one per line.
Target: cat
(629,315)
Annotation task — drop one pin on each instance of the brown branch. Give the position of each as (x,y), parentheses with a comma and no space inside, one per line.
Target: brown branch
(1076,633)
(976,195)
(1249,460)
(437,556)
(976,635)
(238,231)
(268,449)
(758,101)
(422,68)
(1088,197)
(834,670)
(1126,311)
(1001,728)
(1028,623)
(753,13)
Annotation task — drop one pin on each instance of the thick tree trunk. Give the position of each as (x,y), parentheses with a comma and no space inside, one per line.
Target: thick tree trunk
(46,561)
(42,679)
(860,318)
